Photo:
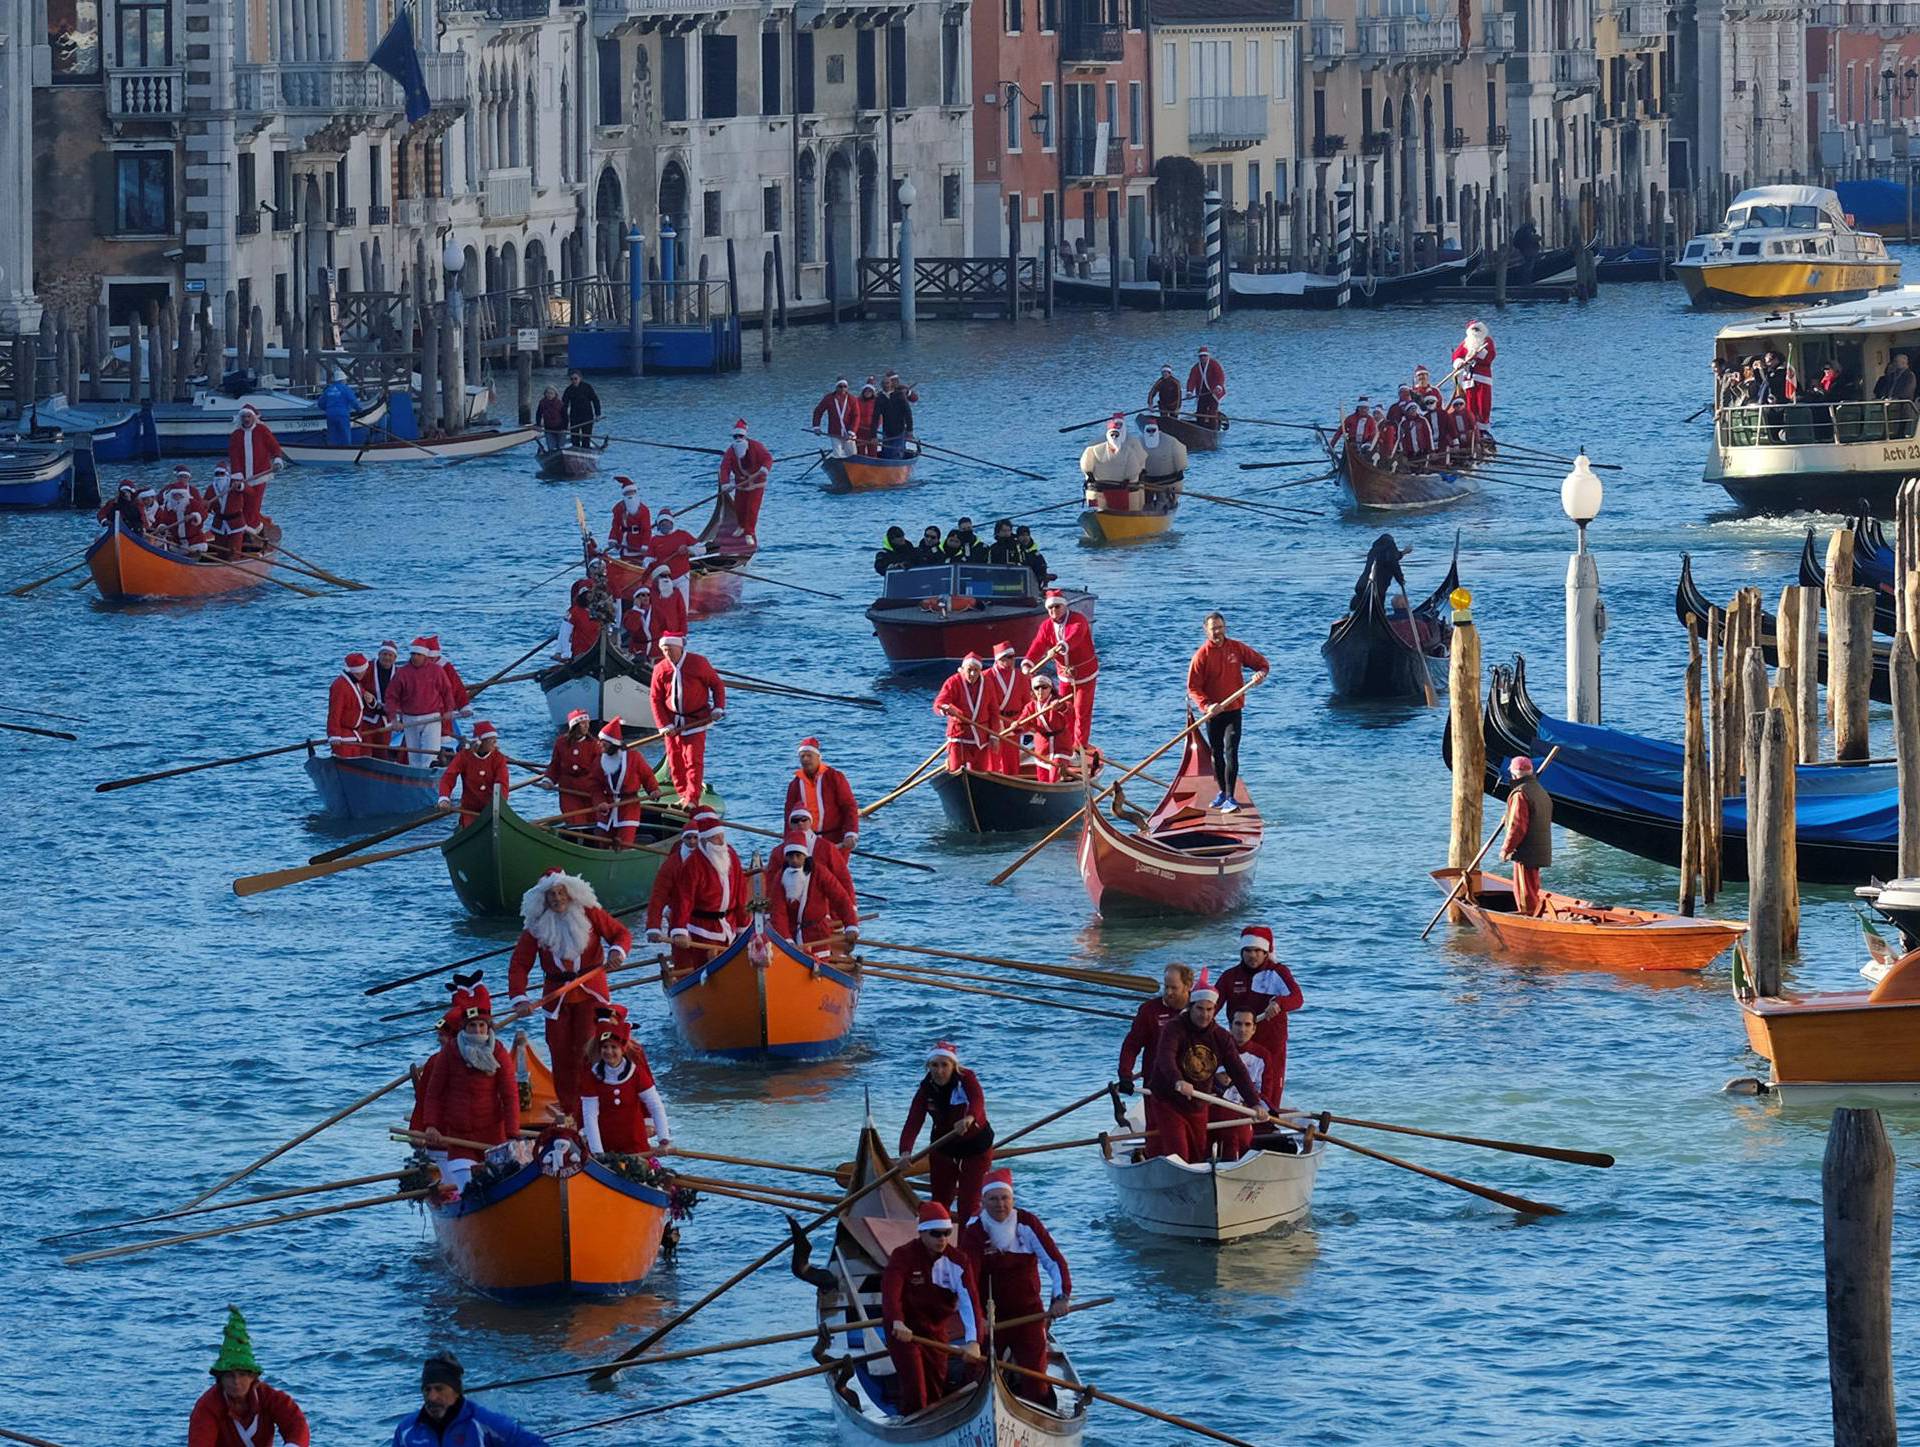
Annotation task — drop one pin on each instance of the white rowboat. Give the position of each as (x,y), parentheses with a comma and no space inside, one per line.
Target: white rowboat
(1216,1200)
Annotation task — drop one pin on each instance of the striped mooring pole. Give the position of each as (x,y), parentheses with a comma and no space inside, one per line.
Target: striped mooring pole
(1343,242)
(1216,258)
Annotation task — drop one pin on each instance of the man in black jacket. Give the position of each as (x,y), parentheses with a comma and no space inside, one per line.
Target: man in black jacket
(583,408)
(895,414)
(1004,550)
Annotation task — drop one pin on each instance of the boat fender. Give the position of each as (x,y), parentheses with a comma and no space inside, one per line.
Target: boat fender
(1744,1085)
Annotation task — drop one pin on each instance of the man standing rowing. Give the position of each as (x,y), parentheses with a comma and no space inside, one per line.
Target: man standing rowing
(823,791)
(1068,639)
(419,701)
(480,769)
(1529,842)
(966,702)
(1190,1048)
(744,469)
(253,455)
(1207,385)
(688,698)
(1214,680)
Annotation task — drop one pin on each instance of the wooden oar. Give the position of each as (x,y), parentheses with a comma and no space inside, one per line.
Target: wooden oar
(779,583)
(323,574)
(1104,1138)
(1052,834)
(439,1006)
(285,1219)
(9,1436)
(244,1201)
(674,813)
(1095,422)
(868,968)
(487,683)
(1269,422)
(859,700)
(392,436)
(342,851)
(1598,1159)
(1284,462)
(788,1166)
(572,567)
(42,713)
(306,1135)
(936,972)
(707,1182)
(26,588)
(915,779)
(238,566)
(252,884)
(113,784)
(1118,979)
(1051,507)
(1290,513)
(1050,1119)
(798,1374)
(1467,873)
(43,733)
(983,462)
(671,446)
(1296,482)
(427,974)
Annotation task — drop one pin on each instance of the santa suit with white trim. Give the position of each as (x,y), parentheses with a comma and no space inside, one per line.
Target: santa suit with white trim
(1269,987)
(577,944)
(806,906)
(620,776)
(659,914)
(708,904)
(480,769)
(1076,661)
(672,552)
(571,769)
(1473,360)
(347,709)
(1010,1257)
(965,701)
(826,796)
(688,698)
(1013,697)
(932,1294)
(744,469)
(632,529)
(181,520)
(1053,729)
(1207,385)
(460,1100)
(841,412)
(253,453)
(618,1101)
(827,856)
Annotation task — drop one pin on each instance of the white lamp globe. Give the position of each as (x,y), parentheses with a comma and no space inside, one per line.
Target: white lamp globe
(1580,492)
(453,258)
(906,193)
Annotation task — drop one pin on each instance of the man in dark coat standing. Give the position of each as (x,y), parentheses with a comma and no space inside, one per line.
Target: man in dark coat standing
(1529,842)
(583,409)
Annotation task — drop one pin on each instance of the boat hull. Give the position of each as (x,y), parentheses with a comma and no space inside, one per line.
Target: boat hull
(866,474)
(1837,1039)
(1142,872)
(1784,283)
(36,476)
(1108,528)
(920,638)
(603,681)
(392,450)
(1382,489)
(982,802)
(1625,941)
(130,569)
(1196,435)
(369,788)
(532,1236)
(763,997)
(569,464)
(1217,1201)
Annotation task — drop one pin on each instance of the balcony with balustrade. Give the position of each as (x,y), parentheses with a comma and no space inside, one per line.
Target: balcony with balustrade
(1326,147)
(610,16)
(1575,71)
(1497,32)
(1226,122)
(342,87)
(1088,44)
(158,94)
(1404,40)
(1327,42)
(1638,24)
(509,193)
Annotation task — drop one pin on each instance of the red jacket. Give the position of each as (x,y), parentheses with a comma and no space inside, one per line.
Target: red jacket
(1189,1052)
(620,1113)
(947,1104)
(212,1422)
(456,686)
(1011,1279)
(1053,723)
(828,797)
(660,897)
(667,610)
(477,778)
(636,626)
(737,471)
(419,689)
(927,1292)
(689,695)
(971,714)
(672,549)
(707,903)
(608,934)
(841,413)
(1142,1035)
(1215,672)
(251,452)
(1164,394)
(616,794)
(346,711)
(632,530)
(825,902)
(1012,695)
(184,526)
(580,632)
(572,766)
(1080,664)
(464,1103)
(1210,381)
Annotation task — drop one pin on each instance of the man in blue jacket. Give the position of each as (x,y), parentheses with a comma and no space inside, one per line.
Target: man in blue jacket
(447,1419)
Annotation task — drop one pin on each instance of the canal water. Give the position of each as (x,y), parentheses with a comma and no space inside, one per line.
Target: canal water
(161,1032)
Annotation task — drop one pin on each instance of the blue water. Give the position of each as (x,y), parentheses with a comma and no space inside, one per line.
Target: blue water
(161,1031)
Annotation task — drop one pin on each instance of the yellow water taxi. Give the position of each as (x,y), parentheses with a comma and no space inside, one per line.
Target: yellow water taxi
(1785,245)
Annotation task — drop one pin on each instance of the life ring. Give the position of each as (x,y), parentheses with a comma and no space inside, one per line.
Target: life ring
(960,603)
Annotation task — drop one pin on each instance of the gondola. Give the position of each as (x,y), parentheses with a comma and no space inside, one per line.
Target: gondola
(1268,1188)
(983,802)
(1580,935)
(570,463)
(1691,606)
(1547,265)
(1317,291)
(932,617)
(604,681)
(862,473)
(559,1223)
(389,449)
(1198,434)
(720,549)
(1117,513)
(981,1413)
(763,997)
(1379,651)
(365,787)
(1390,488)
(495,860)
(1631,263)
(129,568)
(1867,573)
(1183,858)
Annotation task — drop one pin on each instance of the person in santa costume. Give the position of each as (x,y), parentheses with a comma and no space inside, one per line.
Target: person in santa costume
(574,940)
(744,469)
(811,908)
(827,857)
(823,791)
(1268,988)
(950,1096)
(347,708)
(1164,394)
(240,1410)
(928,1290)
(253,455)
(666,607)
(1473,372)
(1143,1035)
(1011,1251)
(456,686)
(1423,387)
(688,698)
(181,521)
(618,1097)
(1067,638)
(579,629)
(637,631)
(480,769)
(1189,1049)
(1215,675)
(1358,429)
(672,553)
(228,517)
(1207,384)
(1232,1142)
(571,768)
(1051,730)
(632,528)
(620,776)
(659,916)
(1164,458)
(1012,694)
(468,1090)
(709,901)
(419,701)
(966,702)
(378,731)
(1417,435)
(840,412)
(1112,467)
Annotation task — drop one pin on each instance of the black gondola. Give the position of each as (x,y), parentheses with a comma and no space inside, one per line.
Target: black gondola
(1509,728)
(1373,653)
(1868,572)
(1691,606)
(982,802)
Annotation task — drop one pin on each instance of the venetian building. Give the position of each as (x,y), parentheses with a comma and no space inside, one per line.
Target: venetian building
(1740,81)
(1633,54)
(1553,86)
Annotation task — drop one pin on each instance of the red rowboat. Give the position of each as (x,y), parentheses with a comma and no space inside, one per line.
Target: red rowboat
(720,549)
(933,617)
(1183,857)
(1586,936)
(127,567)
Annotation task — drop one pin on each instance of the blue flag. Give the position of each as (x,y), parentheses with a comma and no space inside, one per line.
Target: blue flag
(397,57)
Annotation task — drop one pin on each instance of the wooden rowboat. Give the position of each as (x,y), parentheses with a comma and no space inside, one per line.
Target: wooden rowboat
(720,549)
(127,568)
(604,681)
(1196,434)
(763,997)
(866,474)
(1822,1040)
(570,464)
(983,802)
(983,1412)
(563,1224)
(1218,1200)
(1183,858)
(487,443)
(364,787)
(495,860)
(1397,489)
(1587,936)
(1130,514)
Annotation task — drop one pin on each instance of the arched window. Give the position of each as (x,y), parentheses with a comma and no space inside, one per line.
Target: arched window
(516,156)
(566,139)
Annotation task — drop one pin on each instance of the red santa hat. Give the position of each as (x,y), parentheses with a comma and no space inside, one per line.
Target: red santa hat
(471,1001)
(180,469)
(1117,423)
(800,814)
(1203,350)
(810,746)
(1054,595)
(1043,680)
(611,732)
(578,715)
(1167,367)
(249,410)
(1520,766)
(997,1180)
(935,1217)
(421,645)
(482,729)
(666,638)
(433,642)
(220,470)
(943,1050)
(973,660)
(357,663)
(1003,649)
(1430,400)
(839,383)
(740,427)
(610,1023)
(628,486)
(705,820)
(1257,936)
(1203,989)
(795,841)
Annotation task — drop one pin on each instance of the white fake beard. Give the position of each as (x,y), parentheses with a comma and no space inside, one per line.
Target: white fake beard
(478,1053)
(794,882)
(739,447)
(1113,446)
(1152,439)
(1000,1234)
(566,935)
(717,854)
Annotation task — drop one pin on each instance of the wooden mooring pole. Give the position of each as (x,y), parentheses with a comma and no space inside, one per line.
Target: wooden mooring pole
(1694,836)
(1767,883)
(1839,575)
(1468,739)
(1717,716)
(1849,667)
(1856,1189)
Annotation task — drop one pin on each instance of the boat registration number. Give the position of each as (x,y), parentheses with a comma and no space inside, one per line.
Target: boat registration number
(1905,452)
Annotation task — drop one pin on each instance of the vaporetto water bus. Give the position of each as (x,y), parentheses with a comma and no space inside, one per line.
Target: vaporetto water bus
(1785,245)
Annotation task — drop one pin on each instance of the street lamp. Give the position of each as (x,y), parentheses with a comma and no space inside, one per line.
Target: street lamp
(906,196)
(1580,495)
(452,261)
(1039,120)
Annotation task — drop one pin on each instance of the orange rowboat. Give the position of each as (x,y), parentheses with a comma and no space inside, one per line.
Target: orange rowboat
(719,550)
(866,474)
(1587,936)
(1840,1038)
(763,996)
(126,568)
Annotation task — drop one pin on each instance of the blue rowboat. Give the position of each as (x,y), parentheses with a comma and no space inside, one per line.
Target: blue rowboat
(35,474)
(119,432)
(368,788)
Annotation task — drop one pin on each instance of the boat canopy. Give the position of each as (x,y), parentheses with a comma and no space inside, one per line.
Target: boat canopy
(1786,207)
(966,580)
(1887,311)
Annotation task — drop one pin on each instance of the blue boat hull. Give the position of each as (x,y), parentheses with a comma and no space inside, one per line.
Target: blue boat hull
(30,482)
(364,788)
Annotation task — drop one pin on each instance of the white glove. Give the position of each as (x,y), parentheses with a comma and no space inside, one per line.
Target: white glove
(718,714)
(616,956)
(850,838)
(852,933)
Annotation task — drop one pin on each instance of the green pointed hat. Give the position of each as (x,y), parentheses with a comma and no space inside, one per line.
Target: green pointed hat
(236,1347)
